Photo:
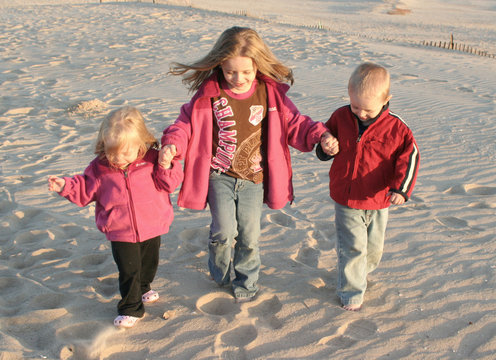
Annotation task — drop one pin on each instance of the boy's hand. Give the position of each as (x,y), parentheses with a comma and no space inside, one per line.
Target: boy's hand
(166,155)
(56,184)
(396,199)
(330,145)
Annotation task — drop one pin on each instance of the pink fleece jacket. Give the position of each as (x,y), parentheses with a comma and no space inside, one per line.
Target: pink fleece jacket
(132,205)
(192,135)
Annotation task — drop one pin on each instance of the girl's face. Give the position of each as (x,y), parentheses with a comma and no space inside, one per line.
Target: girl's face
(125,155)
(366,106)
(239,72)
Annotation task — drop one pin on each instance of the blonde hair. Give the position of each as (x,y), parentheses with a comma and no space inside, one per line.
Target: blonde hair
(120,127)
(370,78)
(235,41)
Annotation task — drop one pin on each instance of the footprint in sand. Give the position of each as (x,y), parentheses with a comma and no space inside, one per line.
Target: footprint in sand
(263,310)
(70,231)
(18,291)
(456,223)
(78,332)
(232,343)
(45,301)
(466,89)
(107,286)
(482,205)
(407,77)
(6,206)
(49,256)
(471,189)
(324,234)
(452,222)
(350,333)
(35,327)
(282,220)
(217,304)
(307,256)
(88,261)
(86,340)
(193,240)
(239,336)
(266,312)
(24,239)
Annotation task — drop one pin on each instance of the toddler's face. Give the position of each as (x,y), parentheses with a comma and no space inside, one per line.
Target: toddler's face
(124,156)
(239,72)
(366,106)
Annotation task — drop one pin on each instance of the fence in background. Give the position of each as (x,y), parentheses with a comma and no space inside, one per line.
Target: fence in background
(451,45)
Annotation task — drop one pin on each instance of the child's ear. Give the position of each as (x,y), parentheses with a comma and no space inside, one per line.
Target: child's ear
(387,99)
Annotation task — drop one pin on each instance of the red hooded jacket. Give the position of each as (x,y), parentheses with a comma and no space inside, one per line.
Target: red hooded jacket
(384,158)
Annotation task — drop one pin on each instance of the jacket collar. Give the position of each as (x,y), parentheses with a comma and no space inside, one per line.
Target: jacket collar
(385,109)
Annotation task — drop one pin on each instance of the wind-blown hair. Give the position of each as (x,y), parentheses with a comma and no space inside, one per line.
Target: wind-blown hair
(370,78)
(235,41)
(120,127)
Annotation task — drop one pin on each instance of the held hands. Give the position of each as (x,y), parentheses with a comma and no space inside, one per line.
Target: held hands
(56,184)
(166,154)
(396,199)
(330,145)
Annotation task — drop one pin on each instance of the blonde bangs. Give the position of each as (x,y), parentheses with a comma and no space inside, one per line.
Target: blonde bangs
(121,127)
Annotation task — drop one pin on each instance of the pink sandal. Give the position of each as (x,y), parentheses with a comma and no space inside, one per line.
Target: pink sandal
(150,296)
(125,321)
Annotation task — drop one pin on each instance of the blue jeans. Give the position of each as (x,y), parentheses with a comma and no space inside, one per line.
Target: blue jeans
(236,209)
(360,241)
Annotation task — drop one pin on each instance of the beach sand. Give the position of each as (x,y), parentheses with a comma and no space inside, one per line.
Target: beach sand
(64,66)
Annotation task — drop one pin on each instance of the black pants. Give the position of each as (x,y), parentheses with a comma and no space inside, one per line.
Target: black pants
(137,264)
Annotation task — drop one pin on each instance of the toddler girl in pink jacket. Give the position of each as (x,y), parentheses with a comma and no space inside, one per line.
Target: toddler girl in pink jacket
(130,181)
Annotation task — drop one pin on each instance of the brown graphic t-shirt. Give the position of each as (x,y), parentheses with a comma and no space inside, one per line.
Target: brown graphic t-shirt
(237,132)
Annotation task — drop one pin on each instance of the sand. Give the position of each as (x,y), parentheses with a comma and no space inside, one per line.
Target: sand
(66,64)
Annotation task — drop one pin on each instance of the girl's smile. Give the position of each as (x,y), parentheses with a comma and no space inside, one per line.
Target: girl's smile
(239,73)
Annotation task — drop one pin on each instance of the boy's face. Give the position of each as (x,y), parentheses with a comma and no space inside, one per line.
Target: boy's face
(367,106)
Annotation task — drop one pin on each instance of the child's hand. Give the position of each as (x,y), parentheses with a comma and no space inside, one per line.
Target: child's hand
(166,155)
(396,199)
(330,145)
(56,184)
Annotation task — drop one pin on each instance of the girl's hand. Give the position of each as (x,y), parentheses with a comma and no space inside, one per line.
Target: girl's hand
(330,145)
(166,155)
(56,184)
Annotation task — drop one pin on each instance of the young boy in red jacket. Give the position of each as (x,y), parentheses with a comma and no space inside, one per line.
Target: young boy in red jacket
(375,164)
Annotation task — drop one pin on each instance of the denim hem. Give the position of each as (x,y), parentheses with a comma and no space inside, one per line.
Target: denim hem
(344,303)
(350,299)
(240,294)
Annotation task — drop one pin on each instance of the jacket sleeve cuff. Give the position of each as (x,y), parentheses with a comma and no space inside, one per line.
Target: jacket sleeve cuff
(321,154)
(401,193)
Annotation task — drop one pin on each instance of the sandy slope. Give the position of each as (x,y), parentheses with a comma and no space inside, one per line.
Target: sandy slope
(433,296)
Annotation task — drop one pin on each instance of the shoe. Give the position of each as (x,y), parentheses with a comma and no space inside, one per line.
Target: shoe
(150,297)
(244,299)
(125,321)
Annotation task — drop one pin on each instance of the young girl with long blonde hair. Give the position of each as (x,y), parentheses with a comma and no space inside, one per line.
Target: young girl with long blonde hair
(234,136)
